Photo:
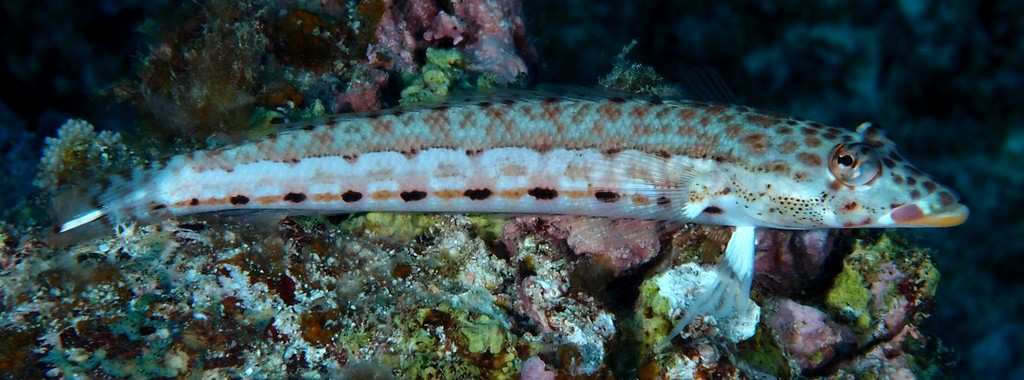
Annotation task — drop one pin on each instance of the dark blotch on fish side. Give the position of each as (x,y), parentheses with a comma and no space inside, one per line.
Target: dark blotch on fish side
(478,194)
(542,193)
(606,196)
(239,200)
(295,197)
(194,202)
(713,210)
(415,195)
(351,196)
(664,200)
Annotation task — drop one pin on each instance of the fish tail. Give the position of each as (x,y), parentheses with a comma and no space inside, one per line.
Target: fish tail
(93,210)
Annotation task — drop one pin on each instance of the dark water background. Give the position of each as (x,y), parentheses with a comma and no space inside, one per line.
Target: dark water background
(944,78)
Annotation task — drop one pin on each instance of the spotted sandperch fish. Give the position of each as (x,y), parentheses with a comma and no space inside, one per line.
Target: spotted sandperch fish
(534,153)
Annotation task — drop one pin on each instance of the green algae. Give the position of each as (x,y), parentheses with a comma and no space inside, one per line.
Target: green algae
(265,120)
(398,227)
(879,276)
(764,352)
(444,71)
(448,343)
(484,334)
(488,227)
(849,298)
(654,310)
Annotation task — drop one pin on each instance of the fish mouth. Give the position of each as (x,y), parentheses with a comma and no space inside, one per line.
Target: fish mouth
(929,212)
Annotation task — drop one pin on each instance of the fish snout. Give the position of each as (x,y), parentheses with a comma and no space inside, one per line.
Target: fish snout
(940,209)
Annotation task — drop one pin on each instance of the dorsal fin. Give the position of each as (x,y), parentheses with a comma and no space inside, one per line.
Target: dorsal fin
(704,84)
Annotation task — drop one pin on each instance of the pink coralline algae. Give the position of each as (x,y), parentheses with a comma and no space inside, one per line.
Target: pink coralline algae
(533,369)
(490,33)
(363,94)
(806,333)
(869,321)
(890,360)
(620,245)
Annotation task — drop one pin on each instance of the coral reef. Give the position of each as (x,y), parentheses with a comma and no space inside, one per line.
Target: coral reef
(426,297)
(867,322)
(414,296)
(79,153)
(306,297)
(490,33)
(208,71)
(665,296)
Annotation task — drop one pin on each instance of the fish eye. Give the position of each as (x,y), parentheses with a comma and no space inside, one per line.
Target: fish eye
(845,160)
(854,164)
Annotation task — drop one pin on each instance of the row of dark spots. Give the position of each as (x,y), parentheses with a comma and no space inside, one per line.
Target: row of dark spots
(350,196)
(239,200)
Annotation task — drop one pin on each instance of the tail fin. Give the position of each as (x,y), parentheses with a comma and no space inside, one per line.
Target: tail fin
(78,216)
(93,210)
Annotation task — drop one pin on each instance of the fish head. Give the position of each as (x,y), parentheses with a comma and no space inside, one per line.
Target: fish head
(834,178)
(870,185)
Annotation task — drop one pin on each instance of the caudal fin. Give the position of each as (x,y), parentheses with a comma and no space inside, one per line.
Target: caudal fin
(78,215)
(93,210)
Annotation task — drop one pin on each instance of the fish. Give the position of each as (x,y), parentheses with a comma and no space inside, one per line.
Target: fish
(537,152)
